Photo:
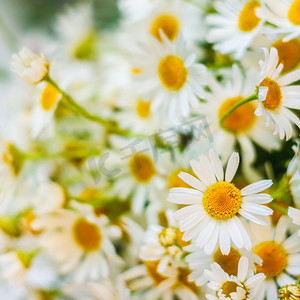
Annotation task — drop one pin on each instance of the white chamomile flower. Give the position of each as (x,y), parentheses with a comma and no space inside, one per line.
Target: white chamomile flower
(279,254)
(163,244)
(136,173)
(284,14)
(241,125)
(277,95)
(294,214)
(25,273)
(146,281)
(234,27)
(215,204)
(198,261)
(30,66)
(169,16)
(78,37)
(90,253)
(237,287)
(170,77)
(137,116)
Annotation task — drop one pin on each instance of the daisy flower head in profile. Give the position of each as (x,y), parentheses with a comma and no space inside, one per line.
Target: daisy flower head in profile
(170,77)
(239,287)
(31,66)
(279,254)
(214,205)
(284,14)
(235,26)
(276,95)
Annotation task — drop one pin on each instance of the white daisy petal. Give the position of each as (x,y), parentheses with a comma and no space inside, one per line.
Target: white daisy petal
(217,165)
(232,166)
(224,239)
(256,187)
(192,181)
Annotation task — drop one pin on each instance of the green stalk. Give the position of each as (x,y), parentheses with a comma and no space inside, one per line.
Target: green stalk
(242,102)
(111,125)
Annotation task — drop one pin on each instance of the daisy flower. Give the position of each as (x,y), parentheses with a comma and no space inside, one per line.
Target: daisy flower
(77,35)
(146,282)
(198,261)
(277,95)
(169,16)
(284,14)
(90,253)
(138,177)
(136,116)
(242,125)
(164,244)
(30,66)
(215,204)
(234,27)
(239,287)
(279,255)
(170,77)
(25,273)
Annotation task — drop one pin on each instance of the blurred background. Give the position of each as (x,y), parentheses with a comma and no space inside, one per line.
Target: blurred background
(18,17)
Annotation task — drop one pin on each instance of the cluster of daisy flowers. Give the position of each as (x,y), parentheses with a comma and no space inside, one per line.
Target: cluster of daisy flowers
(157,159)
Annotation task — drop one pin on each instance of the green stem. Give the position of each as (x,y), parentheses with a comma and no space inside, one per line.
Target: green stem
(279,208)
(298,280)
(242,102)
(109,124)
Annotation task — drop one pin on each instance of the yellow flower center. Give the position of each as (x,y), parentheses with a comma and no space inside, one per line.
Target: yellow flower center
(182,279)
(136,71)
(142,167)
(289,53)
(87,235)
(222,200)
(89,194)
(289,292)
(229,263)
(230,287)
(168,24)
(294,13)
(241,119)
(86,48)
(167,237)
(172,72)
(175,181)
(273,99)
(247,18)
(143,109)
(171,236)
(49,97)
(274,258)
(13,158)
(26,257)
(156,277)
